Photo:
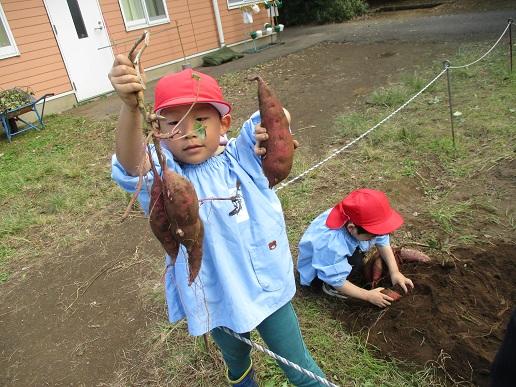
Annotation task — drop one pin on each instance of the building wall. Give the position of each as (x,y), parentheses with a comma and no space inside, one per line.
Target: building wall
(197,30)
(41,67)
(232,21)
(39,64)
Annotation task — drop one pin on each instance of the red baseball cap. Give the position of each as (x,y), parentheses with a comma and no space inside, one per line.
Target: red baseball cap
(367,208)
(181,89)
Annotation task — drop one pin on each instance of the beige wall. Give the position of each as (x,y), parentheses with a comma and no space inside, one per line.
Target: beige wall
(197,28)
(234,28)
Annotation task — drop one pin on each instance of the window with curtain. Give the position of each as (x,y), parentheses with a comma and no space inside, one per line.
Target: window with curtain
(142,13)
(7,45)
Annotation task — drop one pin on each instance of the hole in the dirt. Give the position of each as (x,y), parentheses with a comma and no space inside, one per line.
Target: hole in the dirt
(455,317)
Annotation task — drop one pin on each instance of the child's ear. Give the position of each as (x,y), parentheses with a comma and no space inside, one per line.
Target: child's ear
(350,227)
(225,124)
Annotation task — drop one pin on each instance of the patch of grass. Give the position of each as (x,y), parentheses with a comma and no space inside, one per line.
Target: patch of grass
(388,97)
(53,179)
(415,82)
(351,125)
(409,168)
(448,214)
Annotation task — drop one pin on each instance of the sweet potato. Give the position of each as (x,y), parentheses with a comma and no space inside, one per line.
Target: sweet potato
(158,219)
(411,255)
(392,294)
(373,270)
(174,216)
(279,156)
(182,209)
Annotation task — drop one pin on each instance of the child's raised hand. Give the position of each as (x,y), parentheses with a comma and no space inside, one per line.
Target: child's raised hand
(404,282)
(125,80)
(260,133)
(376,297)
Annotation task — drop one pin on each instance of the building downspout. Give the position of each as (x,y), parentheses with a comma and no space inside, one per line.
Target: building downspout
(219,22)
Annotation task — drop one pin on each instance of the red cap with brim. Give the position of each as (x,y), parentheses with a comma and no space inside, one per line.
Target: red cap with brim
(367,208)
(186,87)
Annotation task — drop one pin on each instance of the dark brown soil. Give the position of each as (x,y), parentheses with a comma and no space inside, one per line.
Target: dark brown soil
(455,317)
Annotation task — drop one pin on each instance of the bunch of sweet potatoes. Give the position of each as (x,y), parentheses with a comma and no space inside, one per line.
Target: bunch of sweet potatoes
(174,218)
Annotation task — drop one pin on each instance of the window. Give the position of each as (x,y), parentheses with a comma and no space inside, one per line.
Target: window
(78,21)
(143,13)
(7,46)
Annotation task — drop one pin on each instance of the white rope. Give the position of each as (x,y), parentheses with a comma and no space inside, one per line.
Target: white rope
(279,358)
(487,53)
(335,153)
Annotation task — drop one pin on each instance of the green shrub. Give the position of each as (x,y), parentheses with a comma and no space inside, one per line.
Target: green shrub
(320,11)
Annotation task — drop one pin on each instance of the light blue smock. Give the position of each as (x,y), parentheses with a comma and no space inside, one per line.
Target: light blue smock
(324,252)
(247,270)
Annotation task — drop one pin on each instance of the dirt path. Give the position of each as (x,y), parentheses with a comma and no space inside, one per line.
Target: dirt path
(77,317)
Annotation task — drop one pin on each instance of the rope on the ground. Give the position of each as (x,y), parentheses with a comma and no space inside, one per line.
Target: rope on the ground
(335,153)
(310,374)
(487,52)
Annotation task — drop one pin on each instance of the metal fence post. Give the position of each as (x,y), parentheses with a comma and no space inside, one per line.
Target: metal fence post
(446,65)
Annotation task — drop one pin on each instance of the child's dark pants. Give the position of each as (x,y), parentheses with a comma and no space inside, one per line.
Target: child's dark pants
(281,333)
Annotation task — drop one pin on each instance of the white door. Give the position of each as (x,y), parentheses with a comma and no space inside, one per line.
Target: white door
(80,32)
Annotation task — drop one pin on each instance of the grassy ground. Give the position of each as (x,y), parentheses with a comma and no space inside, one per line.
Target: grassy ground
(55,184)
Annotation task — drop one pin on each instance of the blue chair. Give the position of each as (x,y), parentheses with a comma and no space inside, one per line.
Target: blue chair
(10,118)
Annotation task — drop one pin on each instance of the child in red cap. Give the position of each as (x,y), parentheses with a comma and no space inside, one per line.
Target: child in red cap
(333,246)
(246,280)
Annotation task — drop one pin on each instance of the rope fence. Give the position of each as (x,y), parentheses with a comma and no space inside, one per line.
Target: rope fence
(446,69)
(447,66)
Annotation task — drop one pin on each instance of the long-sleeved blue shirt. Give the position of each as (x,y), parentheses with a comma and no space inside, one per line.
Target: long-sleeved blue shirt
(247,270)
(324,252)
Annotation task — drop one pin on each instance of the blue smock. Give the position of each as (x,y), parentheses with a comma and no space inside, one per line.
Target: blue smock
(324,252)
(247,271)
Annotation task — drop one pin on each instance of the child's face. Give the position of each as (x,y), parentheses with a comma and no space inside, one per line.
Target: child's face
(199,132)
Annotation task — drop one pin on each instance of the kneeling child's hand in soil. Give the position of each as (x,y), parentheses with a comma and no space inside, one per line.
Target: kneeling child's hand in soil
(404,282)
(376,297)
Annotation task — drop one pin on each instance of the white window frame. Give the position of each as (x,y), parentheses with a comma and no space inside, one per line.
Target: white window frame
(12,50)
(146,22)
(238,4)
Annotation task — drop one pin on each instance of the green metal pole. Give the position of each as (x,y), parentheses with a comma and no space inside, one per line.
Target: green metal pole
(446,65)
(510,42)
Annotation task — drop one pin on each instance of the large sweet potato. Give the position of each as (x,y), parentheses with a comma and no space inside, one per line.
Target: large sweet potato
(174,216)
(279,156)
(158,219)
(182,209)
(412,255)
